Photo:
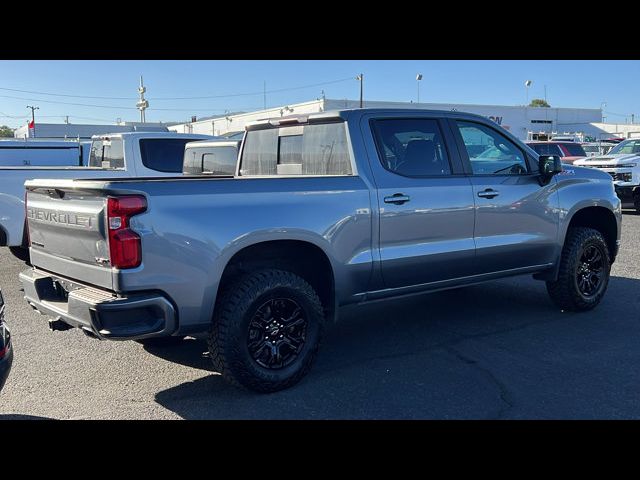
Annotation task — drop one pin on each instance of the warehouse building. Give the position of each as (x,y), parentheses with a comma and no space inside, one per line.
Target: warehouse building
(84,131)
(524,122)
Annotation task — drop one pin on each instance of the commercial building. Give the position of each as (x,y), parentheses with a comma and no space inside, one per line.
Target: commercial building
(523,122)
(84,131)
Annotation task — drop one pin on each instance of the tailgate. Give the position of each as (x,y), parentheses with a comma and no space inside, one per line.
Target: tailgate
(67,232)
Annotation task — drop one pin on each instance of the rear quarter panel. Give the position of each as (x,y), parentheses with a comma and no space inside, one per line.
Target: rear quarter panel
(193,227)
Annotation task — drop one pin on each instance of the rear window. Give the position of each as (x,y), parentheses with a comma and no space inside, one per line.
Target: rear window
(164,154)
(210,160)
(546,149)
(574,149)
(298,150)
(107,153)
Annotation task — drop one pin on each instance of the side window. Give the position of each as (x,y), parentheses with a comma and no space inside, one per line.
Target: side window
(220,161)
(412,147)
(163,154)
(490,152)
(107,153)
(546,149)
(298,150)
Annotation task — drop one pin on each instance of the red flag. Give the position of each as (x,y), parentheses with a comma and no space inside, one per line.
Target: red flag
(32,124)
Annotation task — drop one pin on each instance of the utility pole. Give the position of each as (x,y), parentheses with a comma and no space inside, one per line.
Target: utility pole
(418,78)
(360,78)
(142,104)
(66,119)
(33,118)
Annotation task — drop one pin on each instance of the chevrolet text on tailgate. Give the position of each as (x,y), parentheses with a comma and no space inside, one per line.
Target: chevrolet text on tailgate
(324,210)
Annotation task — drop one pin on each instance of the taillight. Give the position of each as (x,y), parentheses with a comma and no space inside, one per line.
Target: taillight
(124,244)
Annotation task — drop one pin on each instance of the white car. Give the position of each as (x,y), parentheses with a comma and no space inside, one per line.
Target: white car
(623,164)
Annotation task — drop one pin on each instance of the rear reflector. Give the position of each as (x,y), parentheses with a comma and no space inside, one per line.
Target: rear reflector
(124,244)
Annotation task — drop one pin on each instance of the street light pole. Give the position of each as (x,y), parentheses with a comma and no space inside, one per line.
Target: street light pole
(360,78)
(33,118)
(418,78)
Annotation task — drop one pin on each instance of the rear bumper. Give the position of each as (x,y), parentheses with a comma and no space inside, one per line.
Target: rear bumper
(100,312)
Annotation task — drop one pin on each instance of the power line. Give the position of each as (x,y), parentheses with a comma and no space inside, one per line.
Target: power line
(69,103)
(230,95)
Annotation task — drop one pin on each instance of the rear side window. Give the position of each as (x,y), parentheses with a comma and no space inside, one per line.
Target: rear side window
(299,150)
(412,147)
(546,149)
(210,160)
(163,154)
(107,153)
(574,149)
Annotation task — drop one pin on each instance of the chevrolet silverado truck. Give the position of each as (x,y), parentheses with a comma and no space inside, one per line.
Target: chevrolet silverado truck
(323,210)
(623,164)
(131,154)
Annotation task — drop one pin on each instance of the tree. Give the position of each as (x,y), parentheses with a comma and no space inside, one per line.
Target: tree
(6,131)
(539,102)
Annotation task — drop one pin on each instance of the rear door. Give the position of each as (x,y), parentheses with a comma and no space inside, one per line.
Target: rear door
(426,205)
(516,221)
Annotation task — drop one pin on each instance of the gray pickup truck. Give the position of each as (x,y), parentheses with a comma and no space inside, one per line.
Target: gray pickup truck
(324,210)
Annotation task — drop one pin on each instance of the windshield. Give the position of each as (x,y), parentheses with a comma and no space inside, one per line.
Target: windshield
(591,148)
(628,146)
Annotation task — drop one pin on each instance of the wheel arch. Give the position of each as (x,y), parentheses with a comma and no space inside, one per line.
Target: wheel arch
(300,256)
(601,219)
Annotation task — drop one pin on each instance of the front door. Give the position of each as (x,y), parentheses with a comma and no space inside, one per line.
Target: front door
(516,218)
(426,204)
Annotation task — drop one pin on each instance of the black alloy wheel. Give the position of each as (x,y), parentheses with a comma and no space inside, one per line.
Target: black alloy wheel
(590,270)
(277,333)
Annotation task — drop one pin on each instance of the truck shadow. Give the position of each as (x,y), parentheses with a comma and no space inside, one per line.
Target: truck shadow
(479,352)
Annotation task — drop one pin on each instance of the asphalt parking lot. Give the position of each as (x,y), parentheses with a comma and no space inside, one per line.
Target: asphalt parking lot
(500,350)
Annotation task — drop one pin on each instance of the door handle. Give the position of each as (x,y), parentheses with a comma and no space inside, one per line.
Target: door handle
(488,193)
(397,198)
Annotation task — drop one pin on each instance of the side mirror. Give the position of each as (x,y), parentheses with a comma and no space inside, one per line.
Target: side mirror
(548,166)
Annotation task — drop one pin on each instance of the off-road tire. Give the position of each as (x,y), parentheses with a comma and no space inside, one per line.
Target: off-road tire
(564,291)
(227,340)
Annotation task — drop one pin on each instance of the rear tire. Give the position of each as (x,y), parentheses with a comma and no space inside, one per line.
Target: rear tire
(584,271)
(266,330)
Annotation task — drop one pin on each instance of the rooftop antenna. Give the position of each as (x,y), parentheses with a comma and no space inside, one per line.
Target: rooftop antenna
(142,104)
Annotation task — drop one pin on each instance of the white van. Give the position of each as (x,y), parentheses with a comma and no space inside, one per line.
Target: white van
(43,153)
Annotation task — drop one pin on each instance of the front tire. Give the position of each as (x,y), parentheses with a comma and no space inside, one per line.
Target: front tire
(584,271)
(266,330)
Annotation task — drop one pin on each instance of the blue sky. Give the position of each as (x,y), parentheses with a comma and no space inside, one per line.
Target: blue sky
(569,84)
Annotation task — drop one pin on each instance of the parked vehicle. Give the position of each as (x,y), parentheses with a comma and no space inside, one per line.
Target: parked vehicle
(569,152)
(211,157)
(623,164)
(131,154)
(6,349)
(39,153)
(594,149)
(324,210)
